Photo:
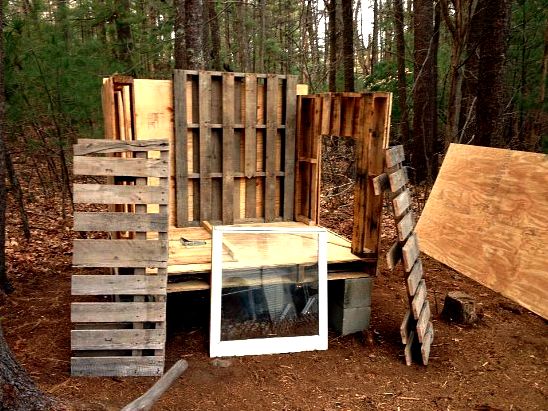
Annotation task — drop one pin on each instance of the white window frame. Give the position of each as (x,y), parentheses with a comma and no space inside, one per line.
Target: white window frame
(274,345)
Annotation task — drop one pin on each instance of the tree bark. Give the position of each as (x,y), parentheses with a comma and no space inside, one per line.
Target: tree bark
(193,35)
(375,37)
(179,49)
(215,36)
(491,92)
(424,101)
(348,45)
(402,81)
(331,7)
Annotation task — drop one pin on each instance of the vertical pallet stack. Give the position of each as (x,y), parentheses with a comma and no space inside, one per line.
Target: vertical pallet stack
(120,320)
(417,331)
(234,147)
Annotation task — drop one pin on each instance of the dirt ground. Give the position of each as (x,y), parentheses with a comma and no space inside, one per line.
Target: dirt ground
(499,363)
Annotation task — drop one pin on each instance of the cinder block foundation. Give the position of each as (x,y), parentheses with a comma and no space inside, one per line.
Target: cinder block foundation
(350,304)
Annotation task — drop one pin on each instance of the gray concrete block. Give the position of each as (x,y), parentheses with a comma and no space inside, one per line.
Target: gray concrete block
(351,293)
(349,320)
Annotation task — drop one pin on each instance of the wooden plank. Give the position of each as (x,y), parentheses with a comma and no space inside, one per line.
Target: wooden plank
(204,110)
(117,312)
(405,226)
(401,203)
(406,327)
(410,252)
(423,320)
(118,284)
(270,147)
(398,179)
(181,147)
(381,183)
(487,218)
(87,146)
(315,167)
(393,256)
(290,148)
(326,115)
(414,278)
(112,166)
(228,145)
(419,299)
(111,221)
(107,102)
(250,146)
(110,194)
(394,156)
(117,366)
(145,339)
(408,348)
(119,253)
(427,341)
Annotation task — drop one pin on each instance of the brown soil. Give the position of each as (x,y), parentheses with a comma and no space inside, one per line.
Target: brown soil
(499,363)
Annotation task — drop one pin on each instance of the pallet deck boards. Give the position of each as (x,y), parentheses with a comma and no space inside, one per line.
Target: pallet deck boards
(143,301)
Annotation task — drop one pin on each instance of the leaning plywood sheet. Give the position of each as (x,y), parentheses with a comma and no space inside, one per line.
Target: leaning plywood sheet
(487,217)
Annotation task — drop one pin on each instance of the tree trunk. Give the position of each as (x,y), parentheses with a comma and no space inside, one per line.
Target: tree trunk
(348,45)
(179,49)
(402,82)
(331,7)
(424,101)
(123,32)
(491,92)
(375,37)
(215,35)
(193,35)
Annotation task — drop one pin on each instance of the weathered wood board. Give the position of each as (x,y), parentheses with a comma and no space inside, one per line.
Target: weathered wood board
(487,218)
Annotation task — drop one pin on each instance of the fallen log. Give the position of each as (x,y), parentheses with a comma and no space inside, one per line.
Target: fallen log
(147,400)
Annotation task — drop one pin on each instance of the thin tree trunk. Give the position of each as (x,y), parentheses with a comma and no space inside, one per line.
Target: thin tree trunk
(402,81)
(348,45)
(423,102)
(193,35)
(179,49)
(15,187)
(331,8)
(215,35)
(375,37)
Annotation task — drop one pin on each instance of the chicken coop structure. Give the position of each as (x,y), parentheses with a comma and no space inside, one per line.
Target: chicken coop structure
(182,156)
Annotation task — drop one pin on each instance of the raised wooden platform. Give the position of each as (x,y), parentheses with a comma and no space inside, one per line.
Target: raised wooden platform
(189,261)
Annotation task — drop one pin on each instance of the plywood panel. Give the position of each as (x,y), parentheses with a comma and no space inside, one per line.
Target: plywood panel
(487,217)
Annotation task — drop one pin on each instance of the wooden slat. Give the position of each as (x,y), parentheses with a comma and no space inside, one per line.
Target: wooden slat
(406,327)
(110,194)
(117,312)
(394,156)
(410,252)
(315,167)
(111,166)
(250,145)
(118,284)
(119,253)
(401,203)
(408,348)
(423,320)
(487,218)
(109,116)
(289,155)
(398,179)
(427,343)
(381,183)
(414,278)
(87,146)
(117,366)
(393,256)
(204,110)
(181,147)
(145,339)
(419,299)
(326,115)
(228,145)
(270,147)
(111,221)
(405,226)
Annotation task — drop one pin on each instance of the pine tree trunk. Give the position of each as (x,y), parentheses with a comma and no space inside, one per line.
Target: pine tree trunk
(215,36)
(375,37)
(348,45)
(331,6)
(402,82)
(193,35)
(424,101)
(179,49)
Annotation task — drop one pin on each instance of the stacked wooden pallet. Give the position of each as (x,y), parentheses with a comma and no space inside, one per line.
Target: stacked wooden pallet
(122,333)
(417,331)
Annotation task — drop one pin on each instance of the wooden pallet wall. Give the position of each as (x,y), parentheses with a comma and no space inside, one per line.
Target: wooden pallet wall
(364,117)
(119,320)
(234,147)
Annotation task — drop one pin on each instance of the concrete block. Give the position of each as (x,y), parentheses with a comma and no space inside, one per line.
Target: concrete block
(349,320)
(351,293)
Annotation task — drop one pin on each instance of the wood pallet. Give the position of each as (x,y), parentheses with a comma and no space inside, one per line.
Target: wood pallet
(234,147)
(417,331)
(124,333)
